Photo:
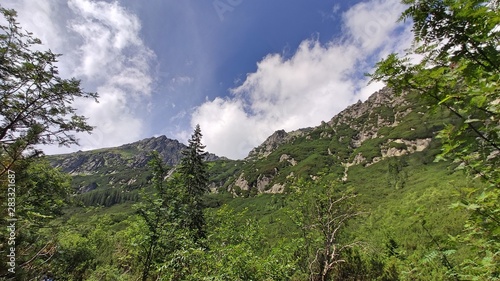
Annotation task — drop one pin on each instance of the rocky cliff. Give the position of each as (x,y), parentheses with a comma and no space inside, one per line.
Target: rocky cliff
(365,133)
(278,138)
(132,156)
(118,167)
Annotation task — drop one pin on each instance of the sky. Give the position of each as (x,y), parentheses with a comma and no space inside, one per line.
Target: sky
(240,69)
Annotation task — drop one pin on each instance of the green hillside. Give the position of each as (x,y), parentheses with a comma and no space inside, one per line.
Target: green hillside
(382,150)
(258,214)
(402,186)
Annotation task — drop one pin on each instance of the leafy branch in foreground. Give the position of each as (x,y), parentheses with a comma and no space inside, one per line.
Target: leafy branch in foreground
(459,70)
(35,103)
(162,211)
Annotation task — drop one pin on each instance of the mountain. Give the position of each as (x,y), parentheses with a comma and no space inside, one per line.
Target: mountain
(124,166)
(382,150)
(382,127)
(385,126)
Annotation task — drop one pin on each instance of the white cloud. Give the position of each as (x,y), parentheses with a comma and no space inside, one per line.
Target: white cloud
(100,42)
(313,85)
(114,120)
(372,24)
(113,57)
(109,34)
(36,17)
(227,127)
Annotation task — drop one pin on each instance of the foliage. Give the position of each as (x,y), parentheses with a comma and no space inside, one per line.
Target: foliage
(321,214)
(396,175)
(41,192)
(162,212)
(256,238)
(35,110)
(35,100)
(237,249)
(194,175)
(107,197)
(314,232)
(460,71)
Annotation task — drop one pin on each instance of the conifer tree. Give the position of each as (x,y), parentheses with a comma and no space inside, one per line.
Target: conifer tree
(194,175)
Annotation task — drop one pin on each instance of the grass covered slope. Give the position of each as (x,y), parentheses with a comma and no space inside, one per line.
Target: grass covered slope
(384,126)
(405,229)
(382,150)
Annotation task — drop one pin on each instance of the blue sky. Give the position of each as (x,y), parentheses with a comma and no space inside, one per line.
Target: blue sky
(241,69)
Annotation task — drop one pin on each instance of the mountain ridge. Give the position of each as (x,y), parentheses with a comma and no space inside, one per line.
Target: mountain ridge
(132,155)
(124,166)
(383,126)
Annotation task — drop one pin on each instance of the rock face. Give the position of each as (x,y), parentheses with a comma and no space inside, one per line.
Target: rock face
(288,158)
(130,156)
(389,117)
(269,145)
(405,147)
(365,133)
(275,140)
(241,182)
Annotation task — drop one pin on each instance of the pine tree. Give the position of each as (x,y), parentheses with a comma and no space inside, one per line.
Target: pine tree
(194,175)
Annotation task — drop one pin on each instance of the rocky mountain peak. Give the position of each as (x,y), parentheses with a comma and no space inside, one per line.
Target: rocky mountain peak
(275,140)
(272,142)
(381,98)
(133,155)
(384,126)
(384,97)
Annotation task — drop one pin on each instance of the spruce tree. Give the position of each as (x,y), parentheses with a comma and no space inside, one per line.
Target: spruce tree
(194,175)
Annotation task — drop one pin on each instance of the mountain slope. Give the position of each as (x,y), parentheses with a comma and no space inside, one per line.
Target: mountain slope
(124,166)
(382,149)
(382,127)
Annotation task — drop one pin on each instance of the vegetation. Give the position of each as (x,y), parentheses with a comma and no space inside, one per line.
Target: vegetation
(36,102)
(194,176)
(390,218)
(460,71)
(158,210)
(35,109)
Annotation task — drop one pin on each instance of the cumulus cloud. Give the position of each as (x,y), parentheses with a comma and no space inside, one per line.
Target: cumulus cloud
(373,24)
(100,42)
(313,85)
(113,57)
(36,17)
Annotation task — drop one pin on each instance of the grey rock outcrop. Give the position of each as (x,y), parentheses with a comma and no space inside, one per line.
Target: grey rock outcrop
(132,156)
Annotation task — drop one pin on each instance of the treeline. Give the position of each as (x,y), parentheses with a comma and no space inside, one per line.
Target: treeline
(107,197)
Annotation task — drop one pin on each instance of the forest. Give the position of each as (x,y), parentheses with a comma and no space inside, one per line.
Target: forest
(430,215)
